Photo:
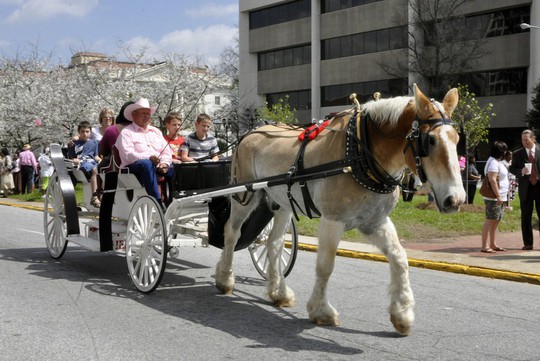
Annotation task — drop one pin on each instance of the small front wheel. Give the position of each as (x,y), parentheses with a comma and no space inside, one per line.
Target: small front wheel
(146,244)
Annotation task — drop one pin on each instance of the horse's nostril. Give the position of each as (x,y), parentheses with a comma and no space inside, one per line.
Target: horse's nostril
(449,202)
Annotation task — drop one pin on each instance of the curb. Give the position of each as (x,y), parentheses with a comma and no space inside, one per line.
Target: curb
(439,266)
(26,206)
(419,263)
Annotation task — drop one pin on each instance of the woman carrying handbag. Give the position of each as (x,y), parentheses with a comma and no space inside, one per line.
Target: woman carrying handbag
(497,176)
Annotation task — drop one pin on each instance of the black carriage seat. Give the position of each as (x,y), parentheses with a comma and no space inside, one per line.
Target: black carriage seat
(192,178)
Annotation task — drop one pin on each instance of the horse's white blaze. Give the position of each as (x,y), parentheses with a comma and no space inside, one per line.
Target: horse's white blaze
(444,174)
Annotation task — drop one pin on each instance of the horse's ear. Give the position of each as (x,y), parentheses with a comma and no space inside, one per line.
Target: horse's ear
(422,103)
(450,101)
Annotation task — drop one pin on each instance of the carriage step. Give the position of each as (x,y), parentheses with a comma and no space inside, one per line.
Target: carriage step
(116,227)
(186,241)
(85,242)
(183,228)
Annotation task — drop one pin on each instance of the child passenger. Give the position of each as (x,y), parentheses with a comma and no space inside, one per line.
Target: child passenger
(85,155)
(200,145)
(173,122)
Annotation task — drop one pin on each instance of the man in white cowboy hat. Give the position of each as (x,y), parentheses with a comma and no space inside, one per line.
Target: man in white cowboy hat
(143,149)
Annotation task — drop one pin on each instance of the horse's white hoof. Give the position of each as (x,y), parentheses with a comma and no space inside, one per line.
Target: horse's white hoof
(325,320)
(402,321)
(282,298)
(324,315)
(224,281)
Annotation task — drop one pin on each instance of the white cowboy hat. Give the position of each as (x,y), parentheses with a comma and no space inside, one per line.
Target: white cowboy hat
(139,104)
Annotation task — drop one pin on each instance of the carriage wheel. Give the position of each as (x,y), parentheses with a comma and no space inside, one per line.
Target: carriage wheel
(146,244)
(54,219)
(258,250)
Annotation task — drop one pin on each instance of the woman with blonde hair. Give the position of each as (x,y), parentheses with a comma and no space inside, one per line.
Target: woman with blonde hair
(106,119)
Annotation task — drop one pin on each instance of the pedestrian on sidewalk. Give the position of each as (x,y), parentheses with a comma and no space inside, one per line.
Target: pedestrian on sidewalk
(46,170)
(29,166)
(512,184)
(528,185)
(494,206)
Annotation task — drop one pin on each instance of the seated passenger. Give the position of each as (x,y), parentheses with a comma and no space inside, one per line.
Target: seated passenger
(111,135)
(85,156)
(200,145)
(143,149)
(173,122)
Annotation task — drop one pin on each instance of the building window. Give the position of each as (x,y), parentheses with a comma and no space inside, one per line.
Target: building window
(298,100)
(501,82)
(337,95)
(279,14)
(364,43)
(285,57)
(217,100)
(335,5)
(498,23)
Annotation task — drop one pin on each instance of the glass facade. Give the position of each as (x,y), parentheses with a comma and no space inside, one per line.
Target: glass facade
(364,43)
(498,23)
(336,95)
(479,26)
(278,14)
(298,100)
(298,55)
(335,5)
(501,82)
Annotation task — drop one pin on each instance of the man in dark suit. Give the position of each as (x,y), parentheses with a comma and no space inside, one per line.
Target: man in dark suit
(528,183)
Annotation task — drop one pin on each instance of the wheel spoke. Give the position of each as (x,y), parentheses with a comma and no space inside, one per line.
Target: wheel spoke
(145,244)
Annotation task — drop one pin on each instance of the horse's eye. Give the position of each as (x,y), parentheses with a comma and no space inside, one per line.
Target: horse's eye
(432,139)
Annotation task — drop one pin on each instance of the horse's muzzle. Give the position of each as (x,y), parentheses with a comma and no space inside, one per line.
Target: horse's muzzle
(451,204)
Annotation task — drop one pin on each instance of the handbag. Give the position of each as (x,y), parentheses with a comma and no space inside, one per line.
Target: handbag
(486,190)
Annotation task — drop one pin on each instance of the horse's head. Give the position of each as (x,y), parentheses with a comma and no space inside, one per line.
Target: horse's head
(436,158)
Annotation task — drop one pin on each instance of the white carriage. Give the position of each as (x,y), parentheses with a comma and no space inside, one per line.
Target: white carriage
(131,222)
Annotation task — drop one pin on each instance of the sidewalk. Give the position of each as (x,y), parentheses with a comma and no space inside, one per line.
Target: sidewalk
(458,255)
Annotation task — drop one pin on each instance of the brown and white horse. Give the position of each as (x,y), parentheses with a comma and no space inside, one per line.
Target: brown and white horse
(342,202)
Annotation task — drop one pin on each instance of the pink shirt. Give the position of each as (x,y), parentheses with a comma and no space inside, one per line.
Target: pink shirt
(26,157)
(135,143)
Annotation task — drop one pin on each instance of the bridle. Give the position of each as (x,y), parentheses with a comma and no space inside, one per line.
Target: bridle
(418,141)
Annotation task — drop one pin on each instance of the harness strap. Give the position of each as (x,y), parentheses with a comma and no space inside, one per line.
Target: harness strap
(310,210)
(365,168)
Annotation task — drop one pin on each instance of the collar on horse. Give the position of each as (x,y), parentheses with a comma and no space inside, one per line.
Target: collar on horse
(365,168)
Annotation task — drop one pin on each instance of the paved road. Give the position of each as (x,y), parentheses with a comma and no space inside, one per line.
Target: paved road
(83,307)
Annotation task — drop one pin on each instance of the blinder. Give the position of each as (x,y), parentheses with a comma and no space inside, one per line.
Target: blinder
(418,141)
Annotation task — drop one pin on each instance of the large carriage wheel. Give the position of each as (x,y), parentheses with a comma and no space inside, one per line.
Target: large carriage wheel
(258,250)
(146,244)
(54,219)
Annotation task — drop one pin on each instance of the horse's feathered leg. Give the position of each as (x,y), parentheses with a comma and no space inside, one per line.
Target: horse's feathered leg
(224,270)
(280,294)
(401,296)
(319,309)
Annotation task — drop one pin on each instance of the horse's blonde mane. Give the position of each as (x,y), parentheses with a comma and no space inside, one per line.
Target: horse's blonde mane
(387,110)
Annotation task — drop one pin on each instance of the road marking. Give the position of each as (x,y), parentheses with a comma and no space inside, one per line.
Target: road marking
(29,231)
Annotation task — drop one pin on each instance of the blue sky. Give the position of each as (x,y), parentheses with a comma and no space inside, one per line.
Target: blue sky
(63,27)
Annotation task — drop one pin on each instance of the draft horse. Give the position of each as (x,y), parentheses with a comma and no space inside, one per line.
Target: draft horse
(413,132)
